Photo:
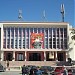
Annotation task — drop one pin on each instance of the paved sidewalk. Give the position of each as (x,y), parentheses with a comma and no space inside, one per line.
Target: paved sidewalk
(13,70)
(11,73)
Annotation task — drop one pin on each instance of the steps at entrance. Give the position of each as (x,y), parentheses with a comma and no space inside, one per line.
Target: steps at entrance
(16,65)
(36,63)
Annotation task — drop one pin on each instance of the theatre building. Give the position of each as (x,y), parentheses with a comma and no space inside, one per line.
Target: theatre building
(34,41)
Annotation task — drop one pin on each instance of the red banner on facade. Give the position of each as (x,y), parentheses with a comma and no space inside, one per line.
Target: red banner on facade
(37,40)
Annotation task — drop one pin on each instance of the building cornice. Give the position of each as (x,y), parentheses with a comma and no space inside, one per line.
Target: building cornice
(33,24)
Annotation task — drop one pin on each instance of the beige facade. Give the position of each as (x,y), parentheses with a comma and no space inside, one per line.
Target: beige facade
(21,50)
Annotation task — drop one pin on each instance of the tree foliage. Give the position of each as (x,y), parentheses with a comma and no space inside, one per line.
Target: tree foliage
(73,34)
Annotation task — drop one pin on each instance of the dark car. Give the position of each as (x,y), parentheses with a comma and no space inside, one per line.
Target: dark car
(45,69)
(2,68)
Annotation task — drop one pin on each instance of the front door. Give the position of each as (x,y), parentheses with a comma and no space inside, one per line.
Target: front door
(9,56)
(60,56)
(34,57)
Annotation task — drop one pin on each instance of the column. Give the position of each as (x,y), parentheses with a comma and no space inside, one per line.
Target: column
(52,38)
(10,37)
(13,56)
(29,38)
(66,55)
(56,38)
(25,56)
(14,37)
(56,58)
(21,38)
(33,30)
(6,38)
(37,30)
(18,39)
(25,38)
(2,57)
(44,56)
(44,39)
(59,40)
(63,38)
(48,38)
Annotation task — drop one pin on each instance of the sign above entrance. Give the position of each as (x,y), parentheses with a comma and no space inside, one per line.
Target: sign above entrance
(37,40)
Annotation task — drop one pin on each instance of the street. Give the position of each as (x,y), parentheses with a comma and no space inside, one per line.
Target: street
(15,73)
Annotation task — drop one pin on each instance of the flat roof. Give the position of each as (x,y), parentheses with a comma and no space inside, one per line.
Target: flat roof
(34,24)
(30,22)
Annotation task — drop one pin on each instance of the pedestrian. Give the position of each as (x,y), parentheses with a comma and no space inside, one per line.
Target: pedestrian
(38,71)
(65,72)
(69,72)
(24,70)
(31,71)
(8,64)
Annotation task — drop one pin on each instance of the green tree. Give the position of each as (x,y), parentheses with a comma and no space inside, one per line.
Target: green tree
(73,34)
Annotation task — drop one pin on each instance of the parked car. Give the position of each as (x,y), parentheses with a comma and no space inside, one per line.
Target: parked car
(45,69)
(2,68)
(58,71)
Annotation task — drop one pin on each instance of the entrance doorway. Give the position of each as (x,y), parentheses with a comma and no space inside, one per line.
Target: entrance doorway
(9,56)
(34,57)
(60,56)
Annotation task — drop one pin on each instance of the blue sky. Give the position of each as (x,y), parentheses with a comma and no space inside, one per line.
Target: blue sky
(32,10)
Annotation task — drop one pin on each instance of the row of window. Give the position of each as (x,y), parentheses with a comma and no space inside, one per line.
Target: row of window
(25,31)
(53,40)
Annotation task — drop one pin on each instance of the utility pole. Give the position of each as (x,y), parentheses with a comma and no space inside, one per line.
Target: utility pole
(20,15)
(44,16)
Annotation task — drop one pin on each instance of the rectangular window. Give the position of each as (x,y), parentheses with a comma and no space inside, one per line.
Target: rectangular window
(54,32)
(54,46)
(61,31)
(27,43)
(39,31)
(58,47)
(12,43)
(31,30)
(65,32)
(4,32)
(65,43)
(23,32)
(35,30)
(16,43)
(8,43)
(50,46)
(46,32)
(46,43)
(58,31)
(42,30)
(16,32)
(8,32)
(27,32)
(20,57)
(4,43)
(50,32)
(24,44)
(20,32)
(12,32)
(20,43)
